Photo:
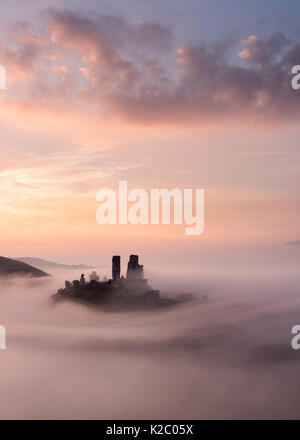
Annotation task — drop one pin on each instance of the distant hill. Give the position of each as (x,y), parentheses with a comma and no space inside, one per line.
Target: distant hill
(39,262)
(14,267)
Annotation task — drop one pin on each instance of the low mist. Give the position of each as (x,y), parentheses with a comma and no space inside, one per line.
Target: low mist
(229,357)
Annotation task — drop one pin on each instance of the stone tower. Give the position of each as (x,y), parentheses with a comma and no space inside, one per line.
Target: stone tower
(134,269)
(116,267)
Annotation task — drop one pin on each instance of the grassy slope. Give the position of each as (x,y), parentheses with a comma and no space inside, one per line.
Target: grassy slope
(14,267)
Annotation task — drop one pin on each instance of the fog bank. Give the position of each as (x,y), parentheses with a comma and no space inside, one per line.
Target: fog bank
(228,358)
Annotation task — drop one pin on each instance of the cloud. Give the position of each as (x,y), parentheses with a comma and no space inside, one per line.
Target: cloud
(22,60)
(261,53)
(134,71)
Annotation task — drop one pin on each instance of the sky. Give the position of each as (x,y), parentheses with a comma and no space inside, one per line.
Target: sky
(162,94)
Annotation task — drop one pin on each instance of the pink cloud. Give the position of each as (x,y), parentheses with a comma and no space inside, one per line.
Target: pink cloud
(130,70)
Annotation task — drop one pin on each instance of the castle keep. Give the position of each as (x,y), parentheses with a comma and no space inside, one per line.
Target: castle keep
(132,290)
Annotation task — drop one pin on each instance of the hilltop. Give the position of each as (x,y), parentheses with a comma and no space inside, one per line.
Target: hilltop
(39,262)
(9,267)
